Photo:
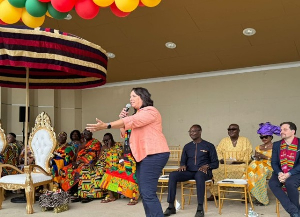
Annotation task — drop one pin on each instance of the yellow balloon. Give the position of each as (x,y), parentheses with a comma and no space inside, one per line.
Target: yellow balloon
(47,13)
(150,3)
(102,3)
(32,21)
(8,13)
(127,5)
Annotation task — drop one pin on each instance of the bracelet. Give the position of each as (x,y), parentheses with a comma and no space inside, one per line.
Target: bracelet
(121,161)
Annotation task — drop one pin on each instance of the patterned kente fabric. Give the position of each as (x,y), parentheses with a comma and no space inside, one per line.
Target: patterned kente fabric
(10,156)
(63,156)
(258,173)
(88,154)
(122,178)
(90,177)
(288,156)
(56,60)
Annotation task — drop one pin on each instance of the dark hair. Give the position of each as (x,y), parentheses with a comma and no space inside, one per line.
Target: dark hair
(13,135)
(145,96)
(198,126)
(110,136)
(75,131)
(291,124)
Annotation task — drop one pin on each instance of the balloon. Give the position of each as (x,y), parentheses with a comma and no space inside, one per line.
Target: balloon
(48,15)
(55,13)
(86,9)
(103,3)
(36,8)
(150,3)
(17,3)
(127,5)
(45,0)
(116,11)
(8,13)
(32,21)
(141,4)
(63,5)
(2,23)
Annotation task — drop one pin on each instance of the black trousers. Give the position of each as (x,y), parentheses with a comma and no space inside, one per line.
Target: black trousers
(182,176)
(290,199)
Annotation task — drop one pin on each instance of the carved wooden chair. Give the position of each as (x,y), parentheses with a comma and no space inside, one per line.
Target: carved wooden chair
(42,142)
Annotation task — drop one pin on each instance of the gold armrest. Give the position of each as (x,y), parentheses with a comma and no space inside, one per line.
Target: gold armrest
(10,166)
(34,166)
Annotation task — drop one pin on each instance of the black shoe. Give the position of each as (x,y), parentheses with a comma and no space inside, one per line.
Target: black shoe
(78,199)
(86,200)
(211,198)
(169,211)
(199,213)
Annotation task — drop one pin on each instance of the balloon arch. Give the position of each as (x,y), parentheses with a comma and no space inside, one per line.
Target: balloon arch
(32,12)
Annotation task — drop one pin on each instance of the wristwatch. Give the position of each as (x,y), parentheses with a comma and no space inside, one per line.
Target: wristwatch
(108,126)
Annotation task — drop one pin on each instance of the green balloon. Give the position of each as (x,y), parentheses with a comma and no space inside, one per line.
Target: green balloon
(17,3)
(55,13)
(36,8)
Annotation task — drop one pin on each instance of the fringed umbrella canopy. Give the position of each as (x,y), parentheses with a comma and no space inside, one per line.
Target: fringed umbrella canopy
(44,58)
(57,60)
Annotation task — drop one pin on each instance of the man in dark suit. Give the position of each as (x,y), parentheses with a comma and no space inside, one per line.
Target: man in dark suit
(198,159)
(285,162)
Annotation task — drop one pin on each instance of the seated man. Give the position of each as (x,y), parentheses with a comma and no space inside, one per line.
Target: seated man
(285,162)
(235,143)
(198,159)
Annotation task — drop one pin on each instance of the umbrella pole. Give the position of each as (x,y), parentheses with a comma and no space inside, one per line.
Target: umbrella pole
(26,115)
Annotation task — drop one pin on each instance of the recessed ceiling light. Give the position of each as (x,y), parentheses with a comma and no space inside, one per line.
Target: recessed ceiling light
(111,55)
(170,45)
(249,31)
(68,17)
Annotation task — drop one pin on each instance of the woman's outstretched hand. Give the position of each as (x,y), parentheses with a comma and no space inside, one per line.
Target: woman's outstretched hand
(100,125)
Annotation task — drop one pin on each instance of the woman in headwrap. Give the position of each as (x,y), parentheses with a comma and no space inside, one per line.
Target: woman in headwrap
(260,169)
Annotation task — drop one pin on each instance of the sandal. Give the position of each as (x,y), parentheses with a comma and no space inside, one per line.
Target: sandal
(132,202)
(107,200)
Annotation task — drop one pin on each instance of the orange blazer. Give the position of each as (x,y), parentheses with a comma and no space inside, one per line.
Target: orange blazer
(146,133)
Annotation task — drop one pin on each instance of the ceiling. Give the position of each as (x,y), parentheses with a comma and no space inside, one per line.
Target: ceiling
(208,35)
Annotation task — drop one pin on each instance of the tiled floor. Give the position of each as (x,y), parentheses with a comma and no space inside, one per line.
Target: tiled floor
(120,208)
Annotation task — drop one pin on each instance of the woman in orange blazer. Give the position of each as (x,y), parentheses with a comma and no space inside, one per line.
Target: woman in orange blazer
(147,143)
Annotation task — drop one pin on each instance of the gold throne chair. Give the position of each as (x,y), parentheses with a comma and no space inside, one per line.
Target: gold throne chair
(42,142)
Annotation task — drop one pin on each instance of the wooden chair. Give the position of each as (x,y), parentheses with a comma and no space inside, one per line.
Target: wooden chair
(162,186)
(42,142)
(190,186)
(240,186)
(277,205)
(174,159)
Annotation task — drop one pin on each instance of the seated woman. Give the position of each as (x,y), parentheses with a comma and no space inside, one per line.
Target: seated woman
(87,156)
(30,158)
(122,178)
(75,137)
(260,169)
(63,156)
(10,154)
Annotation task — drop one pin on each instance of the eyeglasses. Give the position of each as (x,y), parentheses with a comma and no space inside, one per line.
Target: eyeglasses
(106,140)
(264,137)
(232,129)
(193,131)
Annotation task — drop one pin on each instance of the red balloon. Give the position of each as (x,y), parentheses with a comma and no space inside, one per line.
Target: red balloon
(2,23)
(141,4)
(116,11)
(45,0)
(86,9)
(63,5)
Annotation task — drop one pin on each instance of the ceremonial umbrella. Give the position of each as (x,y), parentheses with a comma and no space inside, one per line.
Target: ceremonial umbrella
(44,58)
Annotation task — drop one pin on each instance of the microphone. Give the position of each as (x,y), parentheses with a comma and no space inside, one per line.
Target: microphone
(128,106)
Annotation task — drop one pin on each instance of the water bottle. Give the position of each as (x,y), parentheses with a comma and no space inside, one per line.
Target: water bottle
(250,212)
